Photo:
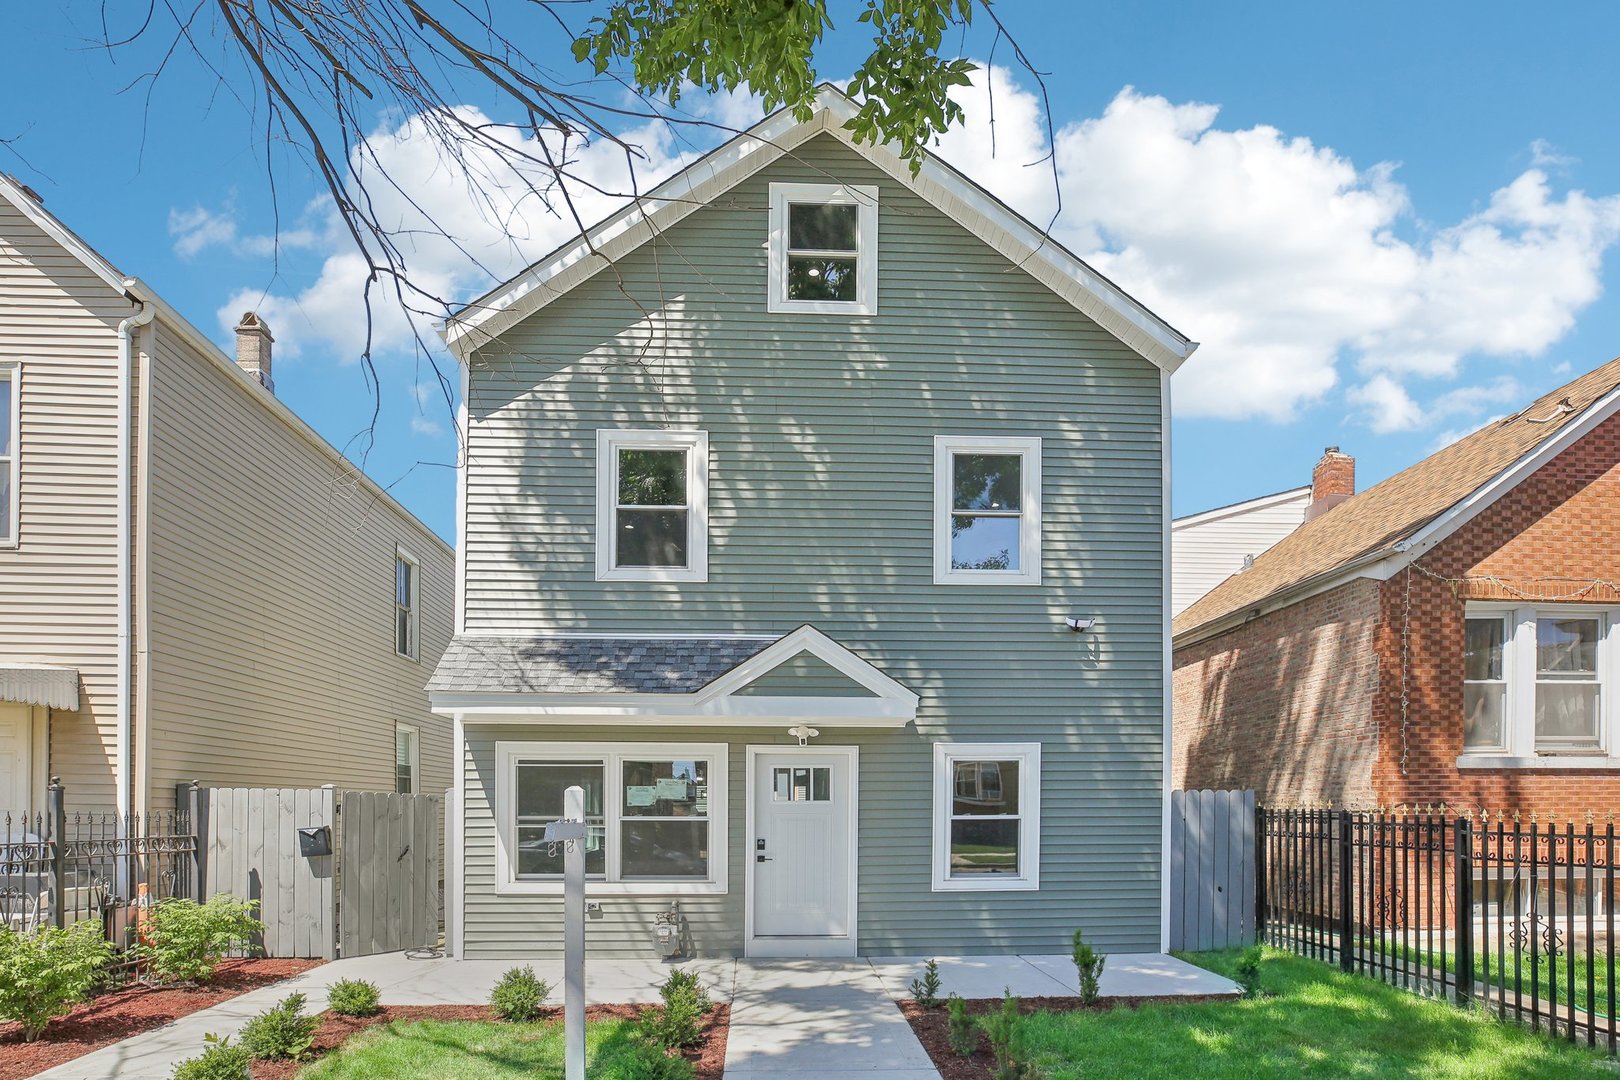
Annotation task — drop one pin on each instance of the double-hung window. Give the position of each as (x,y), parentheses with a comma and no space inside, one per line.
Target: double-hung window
(10,381)
(987,510)
(823,249)
(652,505)
(655,815)
(407,758)
(407,629)
(987,811)
(1537,682)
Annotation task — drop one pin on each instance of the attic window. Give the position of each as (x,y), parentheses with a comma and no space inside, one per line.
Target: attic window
(823,249)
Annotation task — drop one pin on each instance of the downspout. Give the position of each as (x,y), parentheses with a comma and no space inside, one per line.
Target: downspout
(126,358)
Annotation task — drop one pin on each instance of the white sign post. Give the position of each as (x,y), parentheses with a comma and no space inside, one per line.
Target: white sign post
(571,832)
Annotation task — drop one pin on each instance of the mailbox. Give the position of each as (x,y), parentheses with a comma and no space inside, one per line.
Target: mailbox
(315,840)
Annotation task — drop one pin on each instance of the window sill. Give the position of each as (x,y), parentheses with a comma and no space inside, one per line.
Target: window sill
(987,885)
(1539,762)
(597,889)
(820,307)
(985,577)
(650,574)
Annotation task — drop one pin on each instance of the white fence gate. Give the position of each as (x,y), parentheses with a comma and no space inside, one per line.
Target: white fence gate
(1212,869)
(375,889)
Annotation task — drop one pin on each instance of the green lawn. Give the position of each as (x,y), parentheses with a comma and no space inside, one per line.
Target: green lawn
(467,1050)
(1316,1022)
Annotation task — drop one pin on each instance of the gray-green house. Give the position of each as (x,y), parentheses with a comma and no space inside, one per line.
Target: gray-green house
(782,492)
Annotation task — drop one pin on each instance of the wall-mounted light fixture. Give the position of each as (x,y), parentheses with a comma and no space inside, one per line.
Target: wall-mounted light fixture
(804,733)
(1078,624)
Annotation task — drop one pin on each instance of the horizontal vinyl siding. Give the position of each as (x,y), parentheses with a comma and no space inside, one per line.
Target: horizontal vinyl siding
(272,592)
(1206,553)
(58,587)
(821,434)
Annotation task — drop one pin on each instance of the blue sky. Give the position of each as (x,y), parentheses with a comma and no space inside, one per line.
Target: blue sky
(1387,223)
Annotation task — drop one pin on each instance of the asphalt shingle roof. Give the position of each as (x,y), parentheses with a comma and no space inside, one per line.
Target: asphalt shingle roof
(593,665)
(1387,513)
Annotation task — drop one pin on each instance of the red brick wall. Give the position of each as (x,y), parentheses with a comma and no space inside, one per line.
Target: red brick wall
(1554,534)
(1284,704)
(1294,704)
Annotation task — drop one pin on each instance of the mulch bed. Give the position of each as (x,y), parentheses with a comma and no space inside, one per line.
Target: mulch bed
(932,1026)
(130,1010)
(708,1059)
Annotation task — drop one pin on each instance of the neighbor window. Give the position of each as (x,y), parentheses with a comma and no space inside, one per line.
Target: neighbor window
(407,629)
(652,505)
(987,510)
(1485,684)
(9,382)
(407,759)
(654,815)
(1533,680)
(987,815)
(823,248)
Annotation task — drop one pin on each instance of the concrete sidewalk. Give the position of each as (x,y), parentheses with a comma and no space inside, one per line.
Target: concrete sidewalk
(811,1019)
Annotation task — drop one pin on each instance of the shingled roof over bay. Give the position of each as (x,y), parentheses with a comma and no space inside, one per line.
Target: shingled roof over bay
(589,665)
(1374,521)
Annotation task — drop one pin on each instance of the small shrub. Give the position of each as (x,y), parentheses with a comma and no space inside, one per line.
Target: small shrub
(282,1032)
(925,991)
(676,1024)
(1005,1030)
(648,1062)
(519,995)
(220,1061)
(45,972)
(184,941)
(1248,970)
(1089,963)
(963,1033)
(354,997)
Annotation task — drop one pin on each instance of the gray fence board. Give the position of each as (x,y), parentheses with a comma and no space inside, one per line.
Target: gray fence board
(389,871)
(1212,866)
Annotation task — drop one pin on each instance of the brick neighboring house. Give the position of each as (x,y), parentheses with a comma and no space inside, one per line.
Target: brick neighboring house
(1449,635)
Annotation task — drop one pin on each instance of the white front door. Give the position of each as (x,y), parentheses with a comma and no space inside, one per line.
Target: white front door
(16,758)
(802,853)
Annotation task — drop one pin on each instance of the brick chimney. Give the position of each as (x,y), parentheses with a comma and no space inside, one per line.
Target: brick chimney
(253,342)
(1332,481)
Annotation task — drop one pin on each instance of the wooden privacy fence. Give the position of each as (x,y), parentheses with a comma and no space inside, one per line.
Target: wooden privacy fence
(336,873)
(1212,869)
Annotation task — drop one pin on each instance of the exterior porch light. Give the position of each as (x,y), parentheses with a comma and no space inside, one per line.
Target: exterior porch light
(804,733)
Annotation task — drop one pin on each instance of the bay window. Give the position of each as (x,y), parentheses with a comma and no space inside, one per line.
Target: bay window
(655,816)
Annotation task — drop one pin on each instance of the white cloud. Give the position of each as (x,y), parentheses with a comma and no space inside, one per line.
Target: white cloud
(1285,258)
(1290,262)
(1386,405)
(197,228)
(421,425)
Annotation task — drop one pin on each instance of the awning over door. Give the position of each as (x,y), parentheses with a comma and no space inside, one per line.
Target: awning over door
(40,684)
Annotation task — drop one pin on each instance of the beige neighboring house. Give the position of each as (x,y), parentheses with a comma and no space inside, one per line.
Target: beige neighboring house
(193,584)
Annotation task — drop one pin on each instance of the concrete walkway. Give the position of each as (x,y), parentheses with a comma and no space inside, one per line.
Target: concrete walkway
(809,1019)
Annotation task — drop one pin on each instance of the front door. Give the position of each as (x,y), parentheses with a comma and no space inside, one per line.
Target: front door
(802,855)
(16,759)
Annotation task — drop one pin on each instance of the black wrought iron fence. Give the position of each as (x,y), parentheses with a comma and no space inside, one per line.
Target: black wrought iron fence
(59,868)
(1517,916)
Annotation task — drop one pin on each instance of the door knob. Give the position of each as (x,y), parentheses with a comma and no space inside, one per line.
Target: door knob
(762,858)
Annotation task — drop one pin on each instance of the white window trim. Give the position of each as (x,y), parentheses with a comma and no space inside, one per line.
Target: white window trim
(11,370)
(1028,756)
(507,756)
(609,441)
(415,644)
(1508,629)
(1029,556)
(1519,668)
(416,757)
(863,196)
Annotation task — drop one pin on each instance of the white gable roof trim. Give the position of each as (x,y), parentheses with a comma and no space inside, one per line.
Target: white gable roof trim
(944,187)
